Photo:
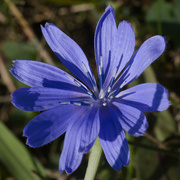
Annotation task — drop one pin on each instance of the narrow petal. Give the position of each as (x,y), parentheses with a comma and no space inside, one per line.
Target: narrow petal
(70,54)
(113,46)
(50,124)
(122,50)
(41,98)
(149,51)
(147,97)
(90,129)
(71,157)
(113,140)
(104,41)
(126,43)
(38,74)
(131,119)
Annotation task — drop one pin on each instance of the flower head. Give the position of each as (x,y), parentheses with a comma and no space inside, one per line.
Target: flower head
(80,106)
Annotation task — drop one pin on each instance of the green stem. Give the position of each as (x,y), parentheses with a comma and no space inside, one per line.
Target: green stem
(94,160)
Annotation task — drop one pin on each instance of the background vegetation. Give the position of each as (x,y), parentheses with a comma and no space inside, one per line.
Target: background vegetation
(155,156)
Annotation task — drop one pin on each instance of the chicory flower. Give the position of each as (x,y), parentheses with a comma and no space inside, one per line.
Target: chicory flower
(80,106)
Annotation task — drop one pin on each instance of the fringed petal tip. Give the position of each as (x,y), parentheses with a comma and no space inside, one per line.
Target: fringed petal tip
(85,150)
(67,170)
(16,100)
(14,62)
(127,161)
(60,170)
(28,144)
(167,105)
(142,134)
(24,135)
(46,25)
(168,101)
(109,7)
(128,23)
(13,101)
(117,168)
(167,92)
(161,41)
(11,70)
(21,62)
(27,138)
(165,41)
(24,132)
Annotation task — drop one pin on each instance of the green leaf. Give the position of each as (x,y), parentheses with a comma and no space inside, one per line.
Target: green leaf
(18,50)
(160,9)
(145,160)
(165,125)
(164,17)
(16,157)
(176,7)
(155,163)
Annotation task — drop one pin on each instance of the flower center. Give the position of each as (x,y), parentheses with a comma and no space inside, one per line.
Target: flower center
(103,95)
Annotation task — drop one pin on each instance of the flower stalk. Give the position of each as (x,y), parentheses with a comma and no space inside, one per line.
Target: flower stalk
(94,160)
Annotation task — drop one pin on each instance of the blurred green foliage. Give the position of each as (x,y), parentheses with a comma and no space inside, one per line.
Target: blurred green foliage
(15,156)
(18,50)
(167,17)
(78,19)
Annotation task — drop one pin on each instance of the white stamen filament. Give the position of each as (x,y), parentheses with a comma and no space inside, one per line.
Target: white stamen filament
(67,102)
(101,73)
(77,103)
(111,82)
(95,89)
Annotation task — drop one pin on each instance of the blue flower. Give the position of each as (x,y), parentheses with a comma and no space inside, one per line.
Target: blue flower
(80,106)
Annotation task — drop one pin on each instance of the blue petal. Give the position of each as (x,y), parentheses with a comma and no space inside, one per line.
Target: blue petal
(38,74)
(71,157)
(122,50)
(131,119)
(90,129)
(112,139)
(70,54)
(149,51)
(147,97)
(104,41)
(50,124)
(126,44)
(114,46)
(41,98)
